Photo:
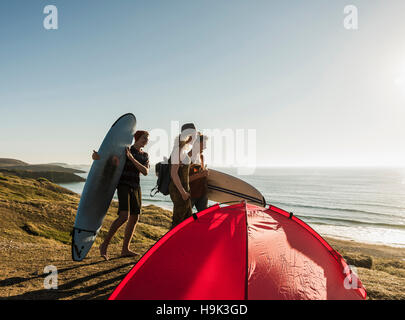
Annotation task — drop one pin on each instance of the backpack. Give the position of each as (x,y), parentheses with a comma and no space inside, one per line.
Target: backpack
(162,170)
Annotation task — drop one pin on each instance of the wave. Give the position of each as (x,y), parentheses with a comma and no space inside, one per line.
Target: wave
(333,209)
(349,222)
(374,204)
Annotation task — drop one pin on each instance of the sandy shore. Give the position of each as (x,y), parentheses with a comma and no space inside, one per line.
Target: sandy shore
(380,268)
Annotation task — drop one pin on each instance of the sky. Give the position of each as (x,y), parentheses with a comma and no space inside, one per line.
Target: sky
(315,93)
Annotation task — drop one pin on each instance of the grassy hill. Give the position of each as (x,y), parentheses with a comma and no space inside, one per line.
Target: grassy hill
(37,216)
(39,208)
(42,167)
(54,176)
(5,162)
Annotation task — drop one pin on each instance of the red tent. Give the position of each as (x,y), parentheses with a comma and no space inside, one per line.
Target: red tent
(240,252)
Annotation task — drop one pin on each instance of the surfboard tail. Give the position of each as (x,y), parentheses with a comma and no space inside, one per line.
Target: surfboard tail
(82,241)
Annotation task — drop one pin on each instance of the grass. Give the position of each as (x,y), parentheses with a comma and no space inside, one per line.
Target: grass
(47,233)
(43,209)
(381,268)
(36,219)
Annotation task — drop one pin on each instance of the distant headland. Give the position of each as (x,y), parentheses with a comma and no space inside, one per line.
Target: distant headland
(55,172)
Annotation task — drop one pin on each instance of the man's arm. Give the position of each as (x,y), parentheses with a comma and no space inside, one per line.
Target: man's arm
(176,180)
(142,169)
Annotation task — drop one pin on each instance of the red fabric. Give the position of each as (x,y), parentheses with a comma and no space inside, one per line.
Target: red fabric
(241,252)
(199,259)
(290,261)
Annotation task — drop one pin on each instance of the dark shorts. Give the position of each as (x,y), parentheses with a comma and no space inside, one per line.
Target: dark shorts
(129,199)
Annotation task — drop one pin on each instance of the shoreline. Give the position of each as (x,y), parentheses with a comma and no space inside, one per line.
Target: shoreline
(328,238)
(376,250)
(372,233)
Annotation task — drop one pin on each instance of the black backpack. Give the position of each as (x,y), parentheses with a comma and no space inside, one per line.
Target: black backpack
(162,170)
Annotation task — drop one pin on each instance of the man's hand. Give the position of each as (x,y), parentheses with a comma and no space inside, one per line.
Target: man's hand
(129,154)
(185,196)
(95,155)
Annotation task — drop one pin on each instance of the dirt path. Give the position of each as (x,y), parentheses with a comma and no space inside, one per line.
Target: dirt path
(22,272)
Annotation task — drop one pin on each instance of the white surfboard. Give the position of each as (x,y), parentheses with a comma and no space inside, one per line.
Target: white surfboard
(224,188)
(100,185)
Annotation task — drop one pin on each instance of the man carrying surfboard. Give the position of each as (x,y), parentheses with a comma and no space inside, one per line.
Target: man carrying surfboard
(129,194)
(179,188)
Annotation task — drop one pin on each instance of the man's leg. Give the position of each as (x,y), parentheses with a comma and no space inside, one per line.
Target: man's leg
(122,218)
(129,232)
(202,203)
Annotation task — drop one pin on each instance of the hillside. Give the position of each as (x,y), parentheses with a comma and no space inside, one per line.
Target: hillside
(37,216)
(41,167)
(5,162)
(53,176)
(52,172)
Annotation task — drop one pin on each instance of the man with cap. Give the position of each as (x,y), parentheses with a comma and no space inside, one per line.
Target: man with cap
(179,188)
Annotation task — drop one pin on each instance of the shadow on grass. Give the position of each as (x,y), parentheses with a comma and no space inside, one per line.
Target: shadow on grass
(19,280)
(77,287)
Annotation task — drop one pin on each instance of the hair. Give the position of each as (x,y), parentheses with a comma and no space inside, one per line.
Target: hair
(139,134)
(188,126)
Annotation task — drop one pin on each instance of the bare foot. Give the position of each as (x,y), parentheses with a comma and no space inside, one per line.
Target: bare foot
(128,253)
(103,251)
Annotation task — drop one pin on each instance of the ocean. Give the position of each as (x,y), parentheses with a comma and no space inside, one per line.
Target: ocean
(361,204)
